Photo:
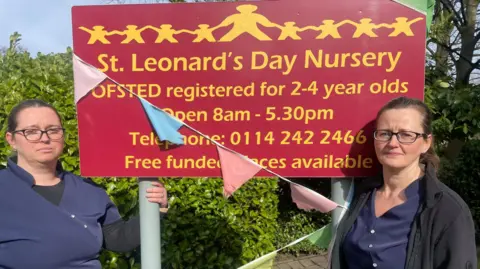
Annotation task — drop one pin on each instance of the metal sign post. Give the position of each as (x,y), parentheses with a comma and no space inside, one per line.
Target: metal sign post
(340,188)
(150,236)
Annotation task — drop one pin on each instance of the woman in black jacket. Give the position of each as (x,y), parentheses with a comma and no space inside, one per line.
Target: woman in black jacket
(405,218)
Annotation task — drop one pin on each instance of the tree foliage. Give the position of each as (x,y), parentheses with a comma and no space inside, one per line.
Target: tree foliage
(455,35)
(452,70)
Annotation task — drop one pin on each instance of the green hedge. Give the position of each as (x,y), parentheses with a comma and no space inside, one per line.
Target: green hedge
(294,223)
(205,230)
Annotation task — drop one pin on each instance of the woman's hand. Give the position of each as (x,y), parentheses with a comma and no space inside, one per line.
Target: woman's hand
(157,194)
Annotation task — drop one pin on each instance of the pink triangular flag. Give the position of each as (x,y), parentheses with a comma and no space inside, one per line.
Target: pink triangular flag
(236,170)
(307,199)
(85,78)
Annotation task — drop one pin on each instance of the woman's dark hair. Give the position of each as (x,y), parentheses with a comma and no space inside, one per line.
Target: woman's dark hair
(429,157)
(12,117)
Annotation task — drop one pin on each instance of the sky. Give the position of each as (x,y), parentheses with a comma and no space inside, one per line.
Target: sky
(45,25)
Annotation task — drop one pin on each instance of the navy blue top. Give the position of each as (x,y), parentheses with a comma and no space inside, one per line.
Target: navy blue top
(382,242)
(35,233)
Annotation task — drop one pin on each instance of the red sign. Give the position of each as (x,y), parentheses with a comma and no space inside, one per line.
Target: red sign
(293,85)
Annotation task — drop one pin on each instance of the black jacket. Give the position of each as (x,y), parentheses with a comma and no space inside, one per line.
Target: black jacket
(442,234)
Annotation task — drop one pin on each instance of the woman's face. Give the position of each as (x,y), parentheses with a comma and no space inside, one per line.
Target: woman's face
(392,153)
(31,149)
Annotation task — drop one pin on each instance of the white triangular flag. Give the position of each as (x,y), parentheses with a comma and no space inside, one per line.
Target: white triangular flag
(85,78)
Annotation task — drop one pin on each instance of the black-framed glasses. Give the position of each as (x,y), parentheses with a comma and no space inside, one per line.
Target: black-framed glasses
(404,137)
(36,134)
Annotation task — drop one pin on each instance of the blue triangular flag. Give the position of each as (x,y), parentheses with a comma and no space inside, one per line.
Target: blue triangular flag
(165,125)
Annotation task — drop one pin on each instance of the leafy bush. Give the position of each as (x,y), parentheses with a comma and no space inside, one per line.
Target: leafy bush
(205,230)
(463,176)
(456,110)
(202,228)
(294,223)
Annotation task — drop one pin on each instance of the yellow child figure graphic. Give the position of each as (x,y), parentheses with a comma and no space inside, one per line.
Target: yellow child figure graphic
(246,22)
(203,33)
(328,28)
(97,33)
(132,33)
(401,26)
(290,30)
(165,32)
(365,27)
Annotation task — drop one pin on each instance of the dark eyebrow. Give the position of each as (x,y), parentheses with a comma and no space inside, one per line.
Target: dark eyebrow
(37,127)
(55,126)
(400,130)
(32,126)
(406,130)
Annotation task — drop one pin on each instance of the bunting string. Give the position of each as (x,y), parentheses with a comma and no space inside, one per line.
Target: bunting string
(321,237)
(236,175)
(304,197)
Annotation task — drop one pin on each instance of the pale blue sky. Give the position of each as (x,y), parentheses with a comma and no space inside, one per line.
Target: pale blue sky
(45,25)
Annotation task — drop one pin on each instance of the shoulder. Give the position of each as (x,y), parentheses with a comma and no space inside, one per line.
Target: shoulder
(4,172)
(446,203)
(6,176)
(450,202)
(450,221)
(364,186)
(451,210)
(86,184)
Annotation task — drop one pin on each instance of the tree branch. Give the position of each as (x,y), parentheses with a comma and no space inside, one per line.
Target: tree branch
(457,37)
(476,65)
(452,51)
(457,20)
(462,10)
(430,50)
(477,37)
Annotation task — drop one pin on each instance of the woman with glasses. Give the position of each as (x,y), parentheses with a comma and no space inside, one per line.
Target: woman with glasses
(49,217)
(405,218)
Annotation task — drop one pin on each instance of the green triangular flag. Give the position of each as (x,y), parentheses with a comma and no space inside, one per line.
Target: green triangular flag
(418,5)
(423,6)
(322,237)
(430,8)
(264,262)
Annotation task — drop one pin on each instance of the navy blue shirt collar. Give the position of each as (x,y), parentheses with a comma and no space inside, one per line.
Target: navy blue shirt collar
(26,176)
(414,188)
(429,185)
